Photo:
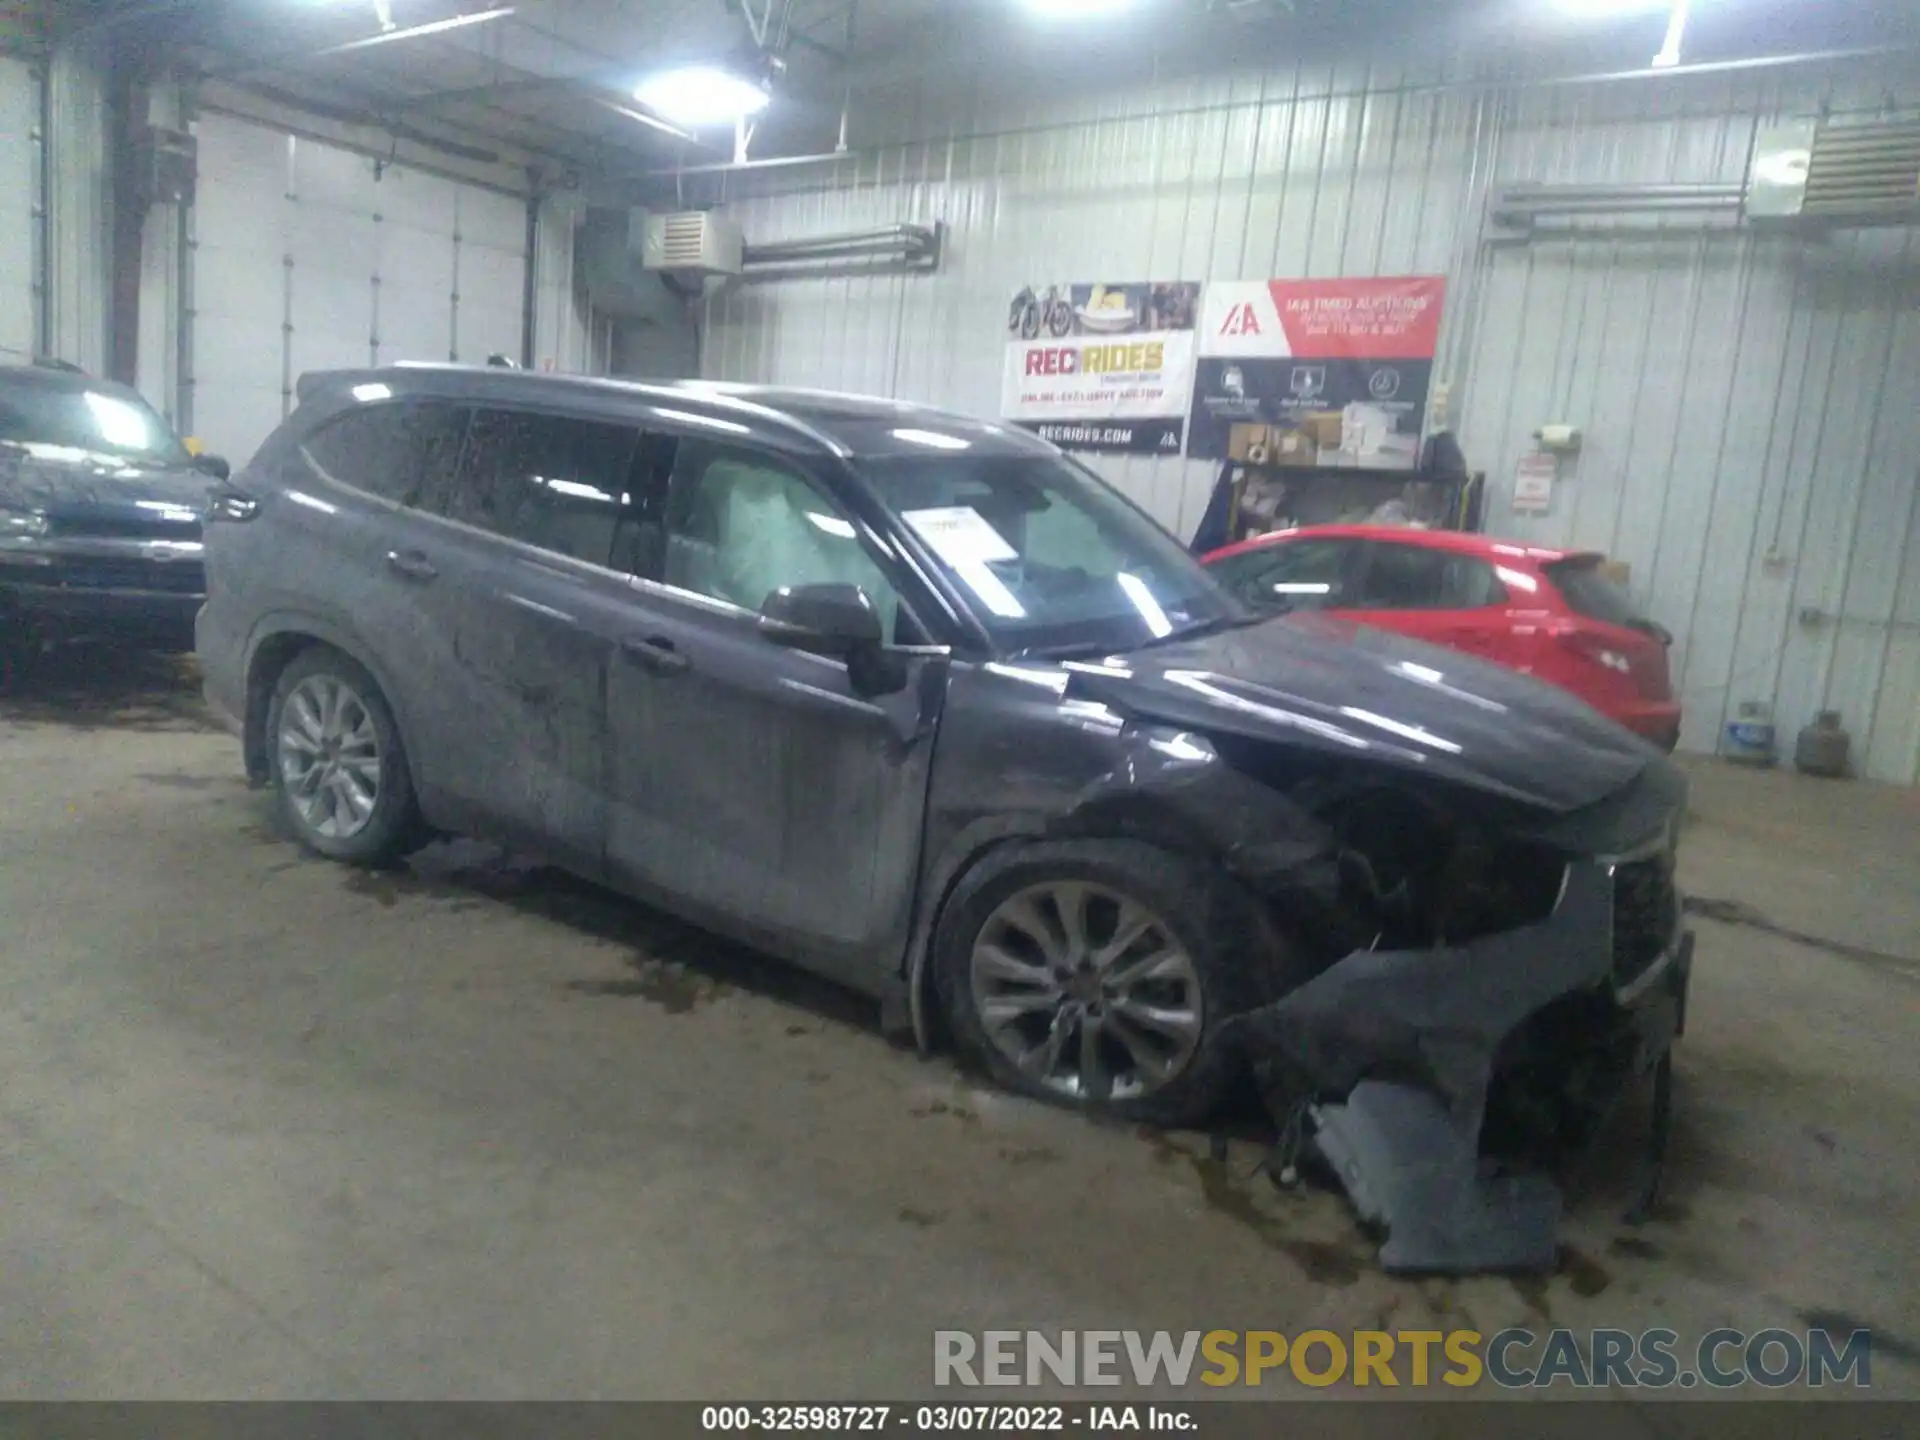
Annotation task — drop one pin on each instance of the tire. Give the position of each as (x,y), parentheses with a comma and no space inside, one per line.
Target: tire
(361,745)
(1234,959)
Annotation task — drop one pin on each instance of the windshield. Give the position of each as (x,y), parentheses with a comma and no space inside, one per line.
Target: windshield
(1049,557)
(105,420)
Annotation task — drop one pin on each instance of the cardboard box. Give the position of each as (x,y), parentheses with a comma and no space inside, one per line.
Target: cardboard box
(1296,448)
(1326,428)
(1244,441)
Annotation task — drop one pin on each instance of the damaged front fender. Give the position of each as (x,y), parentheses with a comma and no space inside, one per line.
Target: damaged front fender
(1394,1053)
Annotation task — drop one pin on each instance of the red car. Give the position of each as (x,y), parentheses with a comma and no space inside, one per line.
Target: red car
(1550,613)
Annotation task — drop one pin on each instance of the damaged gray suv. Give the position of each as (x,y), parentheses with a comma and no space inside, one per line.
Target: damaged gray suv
(917,702)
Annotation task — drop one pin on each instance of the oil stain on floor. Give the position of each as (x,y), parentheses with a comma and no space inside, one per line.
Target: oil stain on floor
(674,988)
(1322,1261)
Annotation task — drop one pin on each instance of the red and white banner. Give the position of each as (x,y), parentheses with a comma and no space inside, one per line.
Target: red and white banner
(1298,352)
(1326,319)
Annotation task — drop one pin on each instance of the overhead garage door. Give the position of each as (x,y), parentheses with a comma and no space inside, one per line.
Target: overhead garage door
(19,115)
(313,258)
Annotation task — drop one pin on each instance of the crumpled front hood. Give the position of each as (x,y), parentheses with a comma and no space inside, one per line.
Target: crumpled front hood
(1323,684)
(62,481)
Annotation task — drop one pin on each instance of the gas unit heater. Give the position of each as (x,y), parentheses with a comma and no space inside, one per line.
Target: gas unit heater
(691,244)
(1852,173)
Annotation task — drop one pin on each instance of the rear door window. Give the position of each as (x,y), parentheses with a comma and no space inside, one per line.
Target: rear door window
(554,481)
(1592,594)
(1297,575)
(1414,577)
(386,450)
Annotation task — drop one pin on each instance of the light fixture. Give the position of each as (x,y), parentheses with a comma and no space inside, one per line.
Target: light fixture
(652,122)
(388,34)
(700,95)
(1669,55)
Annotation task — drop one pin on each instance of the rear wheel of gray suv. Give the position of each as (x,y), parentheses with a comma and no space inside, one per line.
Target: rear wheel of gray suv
(339,769)
(1097,973)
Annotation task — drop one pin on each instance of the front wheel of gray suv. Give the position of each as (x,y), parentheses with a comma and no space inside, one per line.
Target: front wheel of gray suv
(1098,974)
(339,770)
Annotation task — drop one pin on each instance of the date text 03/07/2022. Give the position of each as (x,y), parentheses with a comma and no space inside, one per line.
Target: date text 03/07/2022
(1085,1419)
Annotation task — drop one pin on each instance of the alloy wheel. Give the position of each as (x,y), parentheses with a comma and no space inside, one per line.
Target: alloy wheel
(329,754)
(1087,991)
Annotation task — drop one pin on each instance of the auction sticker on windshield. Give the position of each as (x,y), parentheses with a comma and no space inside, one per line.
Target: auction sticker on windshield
(960,535)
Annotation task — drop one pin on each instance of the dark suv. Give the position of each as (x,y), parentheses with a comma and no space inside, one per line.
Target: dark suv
(916,701)
(99,509)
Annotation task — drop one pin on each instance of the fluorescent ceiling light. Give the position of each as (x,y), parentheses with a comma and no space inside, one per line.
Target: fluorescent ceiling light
(1669,55)
(409,32)
(701,95)
(652,122)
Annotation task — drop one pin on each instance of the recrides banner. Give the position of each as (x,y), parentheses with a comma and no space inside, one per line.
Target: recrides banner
(1102,366)
(1346,363)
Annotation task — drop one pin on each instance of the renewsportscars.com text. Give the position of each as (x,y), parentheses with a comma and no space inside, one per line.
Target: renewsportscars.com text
(1510,1359)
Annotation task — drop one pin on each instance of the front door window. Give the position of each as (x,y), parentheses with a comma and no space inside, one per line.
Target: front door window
(740,526)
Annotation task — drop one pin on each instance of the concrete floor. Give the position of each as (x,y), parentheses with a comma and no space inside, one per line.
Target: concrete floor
(272,1128)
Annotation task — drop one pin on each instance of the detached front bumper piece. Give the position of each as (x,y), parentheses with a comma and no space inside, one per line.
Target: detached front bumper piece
(1410,1041)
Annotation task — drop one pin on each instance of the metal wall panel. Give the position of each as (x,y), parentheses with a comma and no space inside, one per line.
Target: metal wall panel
(1753,449)
(80,203)
(568,336)
(310,257)
(19,220)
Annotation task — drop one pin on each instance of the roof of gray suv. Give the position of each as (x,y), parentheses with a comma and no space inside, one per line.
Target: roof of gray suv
(850,425)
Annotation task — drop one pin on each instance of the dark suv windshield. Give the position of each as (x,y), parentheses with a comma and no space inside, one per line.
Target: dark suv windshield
(1049,557)
(69,412)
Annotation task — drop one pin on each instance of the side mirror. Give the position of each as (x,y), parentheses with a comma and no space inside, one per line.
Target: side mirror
(835,619)
(838,620)
(213,465)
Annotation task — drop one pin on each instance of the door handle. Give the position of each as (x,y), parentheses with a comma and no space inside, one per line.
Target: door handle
(656,653)
(411,565)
